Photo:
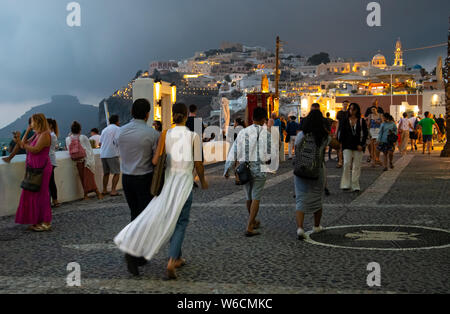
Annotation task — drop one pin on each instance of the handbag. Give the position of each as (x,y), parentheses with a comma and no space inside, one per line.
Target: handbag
(287,139)
(334,143)
(243,173)
(33,178)
(159,170)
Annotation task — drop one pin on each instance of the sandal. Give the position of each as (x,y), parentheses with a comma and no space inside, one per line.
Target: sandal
(42,227)
(257,224)
(171,274)
(181,263)
(31,228)
(252,233)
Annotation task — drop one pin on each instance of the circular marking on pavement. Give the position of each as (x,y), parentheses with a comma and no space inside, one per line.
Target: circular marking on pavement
(381,237)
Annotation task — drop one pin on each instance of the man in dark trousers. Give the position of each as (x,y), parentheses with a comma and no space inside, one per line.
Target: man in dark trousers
(340,117)
(137,144)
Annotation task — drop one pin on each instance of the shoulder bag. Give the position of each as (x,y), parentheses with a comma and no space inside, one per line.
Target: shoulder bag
(160,169)
(33,178)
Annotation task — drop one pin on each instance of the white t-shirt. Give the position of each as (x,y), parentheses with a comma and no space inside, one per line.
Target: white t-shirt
(413,121)
(96,138)
(404,124)
(109,145)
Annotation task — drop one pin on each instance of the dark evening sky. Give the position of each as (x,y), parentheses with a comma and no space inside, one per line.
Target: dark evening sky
(41,56)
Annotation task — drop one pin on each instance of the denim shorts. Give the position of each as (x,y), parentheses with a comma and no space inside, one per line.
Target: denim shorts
(427,138)
(254,189)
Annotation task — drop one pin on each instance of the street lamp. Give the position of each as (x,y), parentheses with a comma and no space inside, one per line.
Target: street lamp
(174,92)
(157,88)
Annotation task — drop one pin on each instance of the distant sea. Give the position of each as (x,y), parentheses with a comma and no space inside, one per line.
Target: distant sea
(4,144)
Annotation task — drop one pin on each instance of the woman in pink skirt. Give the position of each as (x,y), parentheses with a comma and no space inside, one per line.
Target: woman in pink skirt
(86,164)
(34,207)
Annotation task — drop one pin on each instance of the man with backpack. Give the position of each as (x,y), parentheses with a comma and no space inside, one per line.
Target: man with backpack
(413,123)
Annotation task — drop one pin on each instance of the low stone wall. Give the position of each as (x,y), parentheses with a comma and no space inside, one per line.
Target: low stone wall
(67,179)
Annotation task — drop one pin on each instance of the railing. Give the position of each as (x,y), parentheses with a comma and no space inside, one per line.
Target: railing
(66,176)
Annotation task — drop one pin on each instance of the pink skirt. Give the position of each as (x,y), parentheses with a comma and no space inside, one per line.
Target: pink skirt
(87,178)
(34,207)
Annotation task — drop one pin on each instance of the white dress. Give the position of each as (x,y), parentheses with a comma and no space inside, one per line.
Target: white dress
(145,235)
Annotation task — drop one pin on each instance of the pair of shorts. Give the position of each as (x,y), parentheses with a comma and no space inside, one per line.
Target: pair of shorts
(385,147)
(427,138)
(373,132)
(111,165)
(413,135)
(254,188)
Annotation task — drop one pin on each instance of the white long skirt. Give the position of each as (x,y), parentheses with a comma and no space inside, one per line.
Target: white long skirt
(145,235)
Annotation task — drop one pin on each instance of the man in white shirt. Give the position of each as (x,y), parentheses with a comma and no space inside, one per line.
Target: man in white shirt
(404,126)
(109,153)
(95,137)
(413,132)
(251,146)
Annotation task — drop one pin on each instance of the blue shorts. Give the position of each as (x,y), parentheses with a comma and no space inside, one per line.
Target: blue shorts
(427,138)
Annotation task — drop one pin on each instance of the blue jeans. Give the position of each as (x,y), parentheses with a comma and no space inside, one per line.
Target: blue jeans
(178,235)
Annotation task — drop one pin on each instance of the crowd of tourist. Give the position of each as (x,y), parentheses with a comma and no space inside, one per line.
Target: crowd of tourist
(158,182)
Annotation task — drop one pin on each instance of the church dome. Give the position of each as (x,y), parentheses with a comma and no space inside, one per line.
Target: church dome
(379,61)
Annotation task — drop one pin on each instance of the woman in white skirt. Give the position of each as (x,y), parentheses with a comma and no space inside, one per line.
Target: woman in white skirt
(167,215)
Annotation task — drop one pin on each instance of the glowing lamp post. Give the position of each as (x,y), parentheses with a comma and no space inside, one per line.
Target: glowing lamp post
(173,93)
(157,89)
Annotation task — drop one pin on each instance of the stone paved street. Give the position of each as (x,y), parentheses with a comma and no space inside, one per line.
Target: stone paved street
(221,260)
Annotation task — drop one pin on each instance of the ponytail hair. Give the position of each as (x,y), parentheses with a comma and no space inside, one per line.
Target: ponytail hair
(179,112)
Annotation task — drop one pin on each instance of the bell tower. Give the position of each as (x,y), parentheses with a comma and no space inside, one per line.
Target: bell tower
(398,54)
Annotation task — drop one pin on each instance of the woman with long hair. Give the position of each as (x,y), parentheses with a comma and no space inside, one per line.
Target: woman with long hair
(167,215)
(85,165)
(374,120)
(34,207)
(386,143)
(353,136)
(308,192)
(54,134)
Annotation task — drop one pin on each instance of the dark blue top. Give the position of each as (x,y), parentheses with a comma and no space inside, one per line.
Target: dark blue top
(292,128)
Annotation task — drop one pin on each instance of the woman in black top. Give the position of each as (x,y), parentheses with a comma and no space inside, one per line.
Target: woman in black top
(353,135)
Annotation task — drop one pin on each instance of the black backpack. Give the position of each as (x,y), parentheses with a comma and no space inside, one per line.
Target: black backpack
(308,158)
(392,138)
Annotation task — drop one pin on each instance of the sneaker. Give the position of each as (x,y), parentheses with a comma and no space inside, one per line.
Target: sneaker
(301,234)
(318,229)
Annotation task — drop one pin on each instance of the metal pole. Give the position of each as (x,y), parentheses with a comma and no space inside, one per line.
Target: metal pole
(277,68)
(391,90)
(105,106)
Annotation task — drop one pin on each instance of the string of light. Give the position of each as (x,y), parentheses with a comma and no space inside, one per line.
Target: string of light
(427,47)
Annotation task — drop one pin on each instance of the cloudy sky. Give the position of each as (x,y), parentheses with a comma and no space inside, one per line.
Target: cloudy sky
(41,56)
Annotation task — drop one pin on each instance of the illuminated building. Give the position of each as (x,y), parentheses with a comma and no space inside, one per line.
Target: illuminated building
(398,54)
